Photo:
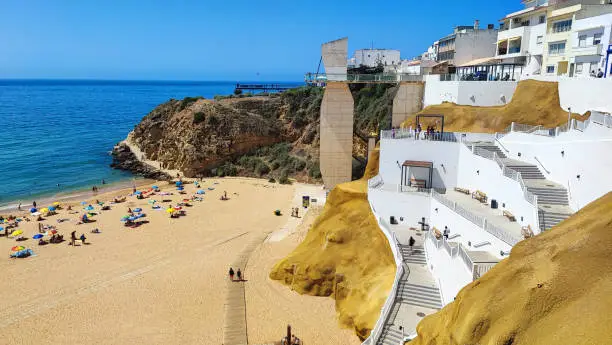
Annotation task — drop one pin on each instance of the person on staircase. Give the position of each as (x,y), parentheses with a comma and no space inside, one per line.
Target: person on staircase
(411,242)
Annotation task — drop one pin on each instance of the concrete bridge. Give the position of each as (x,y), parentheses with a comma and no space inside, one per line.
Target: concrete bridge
(337,110)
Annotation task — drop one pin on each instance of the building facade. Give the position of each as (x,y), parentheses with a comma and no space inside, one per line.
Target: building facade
(578,38)
(521,36)
(374,57)
(467,43)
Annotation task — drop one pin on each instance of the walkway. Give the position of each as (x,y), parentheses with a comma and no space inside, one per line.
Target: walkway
(418,294)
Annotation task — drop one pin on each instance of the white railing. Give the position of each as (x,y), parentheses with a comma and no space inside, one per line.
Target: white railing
(375,182)
(466,258)
(601,119)
(400,270)
(479,221)
(452,251)
(409,133)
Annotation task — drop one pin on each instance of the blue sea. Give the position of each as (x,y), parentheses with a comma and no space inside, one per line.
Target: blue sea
(61,132)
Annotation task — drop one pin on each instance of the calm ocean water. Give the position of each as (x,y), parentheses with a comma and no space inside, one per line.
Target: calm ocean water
(61,131)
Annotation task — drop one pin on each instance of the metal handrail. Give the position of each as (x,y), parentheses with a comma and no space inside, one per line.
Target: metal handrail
(542,165)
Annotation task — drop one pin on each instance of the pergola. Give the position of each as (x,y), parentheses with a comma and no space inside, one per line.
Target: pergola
(490,69)
(420,177)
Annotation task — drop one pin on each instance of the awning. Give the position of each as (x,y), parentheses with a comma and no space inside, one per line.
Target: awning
(419,164)
(482,61)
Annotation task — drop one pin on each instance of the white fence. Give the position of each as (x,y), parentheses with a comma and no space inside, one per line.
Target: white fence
(453,252)
(477,220)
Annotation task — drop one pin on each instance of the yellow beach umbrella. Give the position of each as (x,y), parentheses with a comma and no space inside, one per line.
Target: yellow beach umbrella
(169,210)
(44,210)
(56,203)
(16,233)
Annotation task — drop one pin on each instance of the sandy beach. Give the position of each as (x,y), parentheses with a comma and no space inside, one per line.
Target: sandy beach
(160,283)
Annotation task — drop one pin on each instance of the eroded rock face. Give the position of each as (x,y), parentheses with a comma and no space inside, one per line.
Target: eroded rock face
(124,159)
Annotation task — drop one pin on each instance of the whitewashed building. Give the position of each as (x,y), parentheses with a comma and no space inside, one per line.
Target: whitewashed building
(374,57)
(521,36)
(467,43)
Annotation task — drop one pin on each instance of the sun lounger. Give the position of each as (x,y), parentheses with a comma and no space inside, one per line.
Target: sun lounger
(462,190)
(480,196)
(510,216)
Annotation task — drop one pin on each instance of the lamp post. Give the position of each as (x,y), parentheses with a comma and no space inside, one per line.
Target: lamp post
(569,117)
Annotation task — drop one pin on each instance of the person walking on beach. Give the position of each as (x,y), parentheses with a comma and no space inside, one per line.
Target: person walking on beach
(72,238)
(411,243)
(19,207)
(239,274)
(34,204)
(231,274)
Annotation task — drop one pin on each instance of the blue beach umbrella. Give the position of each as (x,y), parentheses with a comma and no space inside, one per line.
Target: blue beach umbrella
(138,192)
(137,209)
(83,203)
(155,187)
(33,209)
(37,236)
(51,208)
(132,218)
(89,208)
(178,183)
(179,188)
(200,192)
(1,228)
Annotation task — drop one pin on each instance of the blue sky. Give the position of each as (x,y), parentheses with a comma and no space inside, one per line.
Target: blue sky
(214,40)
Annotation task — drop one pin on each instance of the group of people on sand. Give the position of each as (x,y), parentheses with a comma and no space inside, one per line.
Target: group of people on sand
(73,238)
(238,274)
(293,341)
(295,212)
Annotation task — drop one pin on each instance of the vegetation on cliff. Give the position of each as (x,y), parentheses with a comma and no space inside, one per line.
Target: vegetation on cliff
(334,261)
(553,289)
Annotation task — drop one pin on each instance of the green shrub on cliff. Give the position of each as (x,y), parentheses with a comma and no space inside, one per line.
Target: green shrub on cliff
(199,117)
(187,101)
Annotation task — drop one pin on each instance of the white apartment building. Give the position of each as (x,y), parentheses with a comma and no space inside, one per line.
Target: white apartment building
(374,57)
(521,36)
(578,38)
(467,43)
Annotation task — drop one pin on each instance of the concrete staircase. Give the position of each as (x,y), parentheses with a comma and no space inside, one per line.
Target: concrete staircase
(553,200)
(415,256)
(391,333)
(420,295)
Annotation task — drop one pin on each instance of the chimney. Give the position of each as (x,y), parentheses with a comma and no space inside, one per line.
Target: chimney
(476,22)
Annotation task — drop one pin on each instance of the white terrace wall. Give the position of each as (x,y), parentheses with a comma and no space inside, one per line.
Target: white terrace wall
(478,173)
(444,155)
(476,93)
(588,154)
(409,206)
(452,275)
(582,94)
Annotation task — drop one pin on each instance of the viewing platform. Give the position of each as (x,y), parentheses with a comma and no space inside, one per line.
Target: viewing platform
(383,78)
(263,87)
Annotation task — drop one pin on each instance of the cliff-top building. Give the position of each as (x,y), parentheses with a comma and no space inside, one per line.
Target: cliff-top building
(467,43)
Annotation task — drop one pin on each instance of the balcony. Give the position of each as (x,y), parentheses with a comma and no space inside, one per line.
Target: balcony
(588,50)
(514,32)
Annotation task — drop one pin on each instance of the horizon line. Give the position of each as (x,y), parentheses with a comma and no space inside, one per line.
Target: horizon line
(139,80)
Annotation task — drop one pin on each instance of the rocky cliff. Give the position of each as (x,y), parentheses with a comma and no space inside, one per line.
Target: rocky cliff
(272,136)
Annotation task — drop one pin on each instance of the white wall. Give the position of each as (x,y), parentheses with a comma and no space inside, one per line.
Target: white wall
(394,151)
(588,154)
(491,181)
(409,206)
(475,93)
(534,31)
(474,45)
(451,273)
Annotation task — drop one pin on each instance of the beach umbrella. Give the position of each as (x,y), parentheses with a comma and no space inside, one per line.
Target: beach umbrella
(89,208)
(138,209)
(17,248)
(138,192)
(132,218)
(16,233)
(83,203)
(44,210)
(155,187)
(180,188)
(200,192)
(178,183)
(33,209)
(56,203)
(1,228)
(169,210)
(51,208)
(37,236)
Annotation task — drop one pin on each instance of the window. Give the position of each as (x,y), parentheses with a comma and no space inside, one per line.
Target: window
(539,39)
(550,69)
(556,48)
(596,39)
(582,41)
(542,19)
(579,68)
(562,26)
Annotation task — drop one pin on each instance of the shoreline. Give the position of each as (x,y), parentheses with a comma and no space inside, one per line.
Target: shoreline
(71,197)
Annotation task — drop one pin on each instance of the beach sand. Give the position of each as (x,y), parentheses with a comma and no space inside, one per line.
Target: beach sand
(161,283)
(271,306)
